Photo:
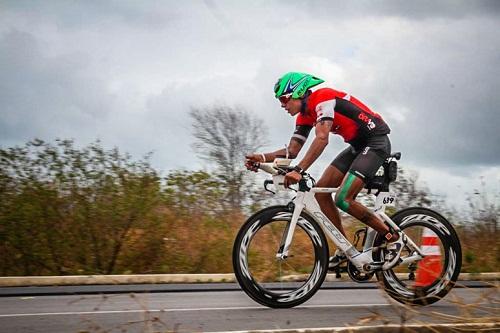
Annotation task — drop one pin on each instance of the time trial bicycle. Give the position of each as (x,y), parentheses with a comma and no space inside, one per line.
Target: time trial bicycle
(281,253)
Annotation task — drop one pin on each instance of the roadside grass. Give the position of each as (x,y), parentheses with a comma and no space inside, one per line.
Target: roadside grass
(485,308)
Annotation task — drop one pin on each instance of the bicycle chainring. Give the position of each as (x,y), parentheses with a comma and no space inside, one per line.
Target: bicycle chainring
(356,275)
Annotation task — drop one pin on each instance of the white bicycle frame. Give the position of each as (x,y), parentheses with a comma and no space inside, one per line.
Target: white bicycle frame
(306,201)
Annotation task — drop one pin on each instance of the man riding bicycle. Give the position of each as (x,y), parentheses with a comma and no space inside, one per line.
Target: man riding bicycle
(329,110)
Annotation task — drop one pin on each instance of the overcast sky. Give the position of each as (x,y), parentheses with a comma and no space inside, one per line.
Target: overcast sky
(127,73)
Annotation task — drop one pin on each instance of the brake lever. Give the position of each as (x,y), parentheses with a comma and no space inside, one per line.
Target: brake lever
(267,182)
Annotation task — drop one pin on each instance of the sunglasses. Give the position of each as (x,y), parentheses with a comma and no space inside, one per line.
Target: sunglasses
(285,98)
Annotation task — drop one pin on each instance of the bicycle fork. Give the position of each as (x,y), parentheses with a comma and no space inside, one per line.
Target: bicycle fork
(286,239)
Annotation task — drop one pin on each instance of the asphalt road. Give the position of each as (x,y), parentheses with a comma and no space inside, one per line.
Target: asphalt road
(212,311)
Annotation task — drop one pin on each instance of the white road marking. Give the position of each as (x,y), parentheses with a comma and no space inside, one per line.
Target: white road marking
(182,310)
(380,328)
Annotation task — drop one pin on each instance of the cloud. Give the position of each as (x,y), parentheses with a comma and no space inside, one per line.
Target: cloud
(129,72)
(78,15)
(445,86)
(413,10)
(44,96)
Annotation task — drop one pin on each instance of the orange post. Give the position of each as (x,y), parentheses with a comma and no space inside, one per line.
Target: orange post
(429,268)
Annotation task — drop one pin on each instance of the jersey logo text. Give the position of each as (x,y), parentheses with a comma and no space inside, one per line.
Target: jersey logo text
(369,123)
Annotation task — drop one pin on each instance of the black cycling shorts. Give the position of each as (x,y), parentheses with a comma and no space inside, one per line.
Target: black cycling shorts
(364,161)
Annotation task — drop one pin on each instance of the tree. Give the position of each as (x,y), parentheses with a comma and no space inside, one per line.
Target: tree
(408,191)
(66,210)
(200,237)
(223,136)
(194,193)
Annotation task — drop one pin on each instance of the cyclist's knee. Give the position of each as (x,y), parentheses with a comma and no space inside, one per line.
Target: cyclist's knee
(346,195)
(342,200)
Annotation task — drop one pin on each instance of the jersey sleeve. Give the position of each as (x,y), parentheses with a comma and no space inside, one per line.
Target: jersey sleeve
(301,133)
(326,110)
(305,119)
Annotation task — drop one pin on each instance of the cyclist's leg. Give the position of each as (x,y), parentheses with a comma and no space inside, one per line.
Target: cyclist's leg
(332,177)
(345,200)
(364,166)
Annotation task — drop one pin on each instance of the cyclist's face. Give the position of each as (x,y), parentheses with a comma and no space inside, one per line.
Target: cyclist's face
(291,105)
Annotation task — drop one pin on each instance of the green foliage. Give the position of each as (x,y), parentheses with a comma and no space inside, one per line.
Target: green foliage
(65,210)
(478,232)
(68,210)
(195,193)
(469,257)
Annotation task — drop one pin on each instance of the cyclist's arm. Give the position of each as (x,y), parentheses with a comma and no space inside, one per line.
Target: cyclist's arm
(318,145)
(294,147)
(297,140)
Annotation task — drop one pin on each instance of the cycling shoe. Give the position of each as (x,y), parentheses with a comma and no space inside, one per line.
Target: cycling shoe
(338,258)
(393,253)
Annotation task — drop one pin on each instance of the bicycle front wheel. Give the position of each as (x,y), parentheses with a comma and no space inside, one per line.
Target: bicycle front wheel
(280,283)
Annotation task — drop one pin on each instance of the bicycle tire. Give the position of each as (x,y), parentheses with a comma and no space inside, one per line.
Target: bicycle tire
(261,292)
(452,262)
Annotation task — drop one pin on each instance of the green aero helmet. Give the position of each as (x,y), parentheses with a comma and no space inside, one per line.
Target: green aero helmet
(295,84)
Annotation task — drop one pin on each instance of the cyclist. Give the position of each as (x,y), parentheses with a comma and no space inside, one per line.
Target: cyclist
(329,110)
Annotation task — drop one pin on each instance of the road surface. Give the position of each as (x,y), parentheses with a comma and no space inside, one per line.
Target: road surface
(211,311)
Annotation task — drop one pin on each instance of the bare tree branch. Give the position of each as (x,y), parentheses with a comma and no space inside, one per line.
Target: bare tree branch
(223,136)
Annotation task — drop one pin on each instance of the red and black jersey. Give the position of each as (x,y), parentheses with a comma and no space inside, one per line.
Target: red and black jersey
(352,120)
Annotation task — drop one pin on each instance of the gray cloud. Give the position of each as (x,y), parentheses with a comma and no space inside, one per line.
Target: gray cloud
(46,96)
(128,72)
(415,10)
(446,76)
(78,15)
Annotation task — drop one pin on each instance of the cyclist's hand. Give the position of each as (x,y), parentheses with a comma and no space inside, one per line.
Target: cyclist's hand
(291,178)
(252,161)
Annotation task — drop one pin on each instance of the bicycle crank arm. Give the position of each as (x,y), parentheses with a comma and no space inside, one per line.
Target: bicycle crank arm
(373,266)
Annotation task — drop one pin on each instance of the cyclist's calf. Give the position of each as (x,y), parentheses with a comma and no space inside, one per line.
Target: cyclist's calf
(345,199)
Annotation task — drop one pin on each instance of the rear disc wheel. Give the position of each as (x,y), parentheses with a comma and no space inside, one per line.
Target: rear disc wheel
(428,280)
